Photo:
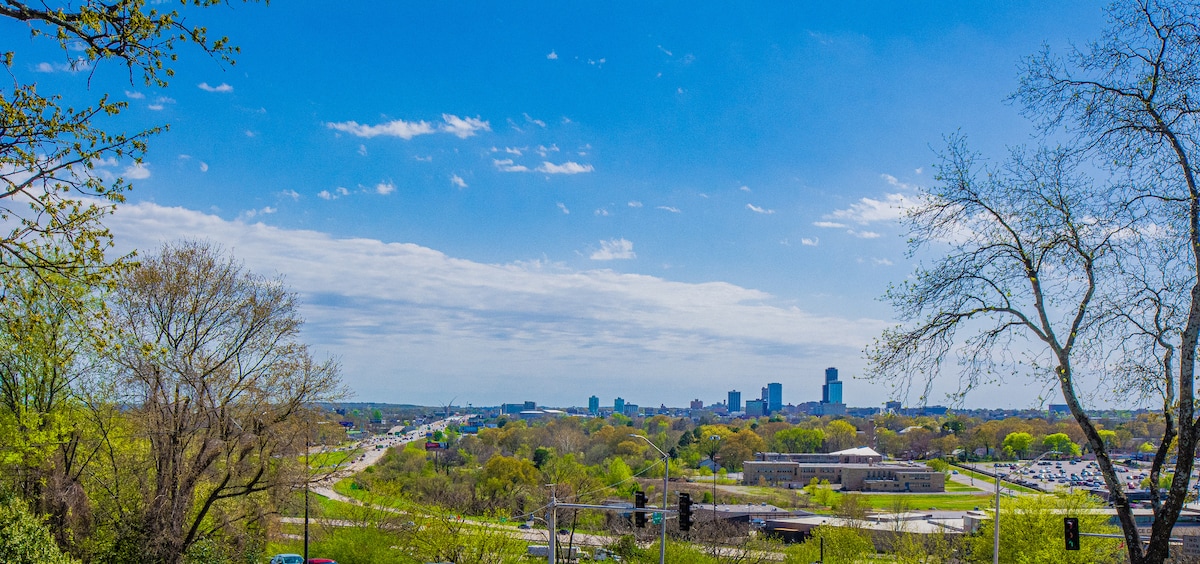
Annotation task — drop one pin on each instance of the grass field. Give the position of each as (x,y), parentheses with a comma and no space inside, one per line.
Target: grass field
(331,458)
(952,486)
(989,481)
(953,502)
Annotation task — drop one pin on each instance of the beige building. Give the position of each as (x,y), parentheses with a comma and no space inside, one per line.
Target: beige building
(852,477)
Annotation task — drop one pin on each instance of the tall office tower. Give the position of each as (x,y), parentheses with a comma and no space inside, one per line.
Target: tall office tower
(756,408)
(697,404)
(735,401)
(619,406)
(774,397)
(892,407)
(594,405)
(763,397)
(831,392)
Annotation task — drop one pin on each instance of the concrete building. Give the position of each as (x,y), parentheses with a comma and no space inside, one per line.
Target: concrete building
(697,404)
(631,409)
(756,408)
(594,405)
(859,455)
(892,407)
(735,401)
(852,477)
(619,406)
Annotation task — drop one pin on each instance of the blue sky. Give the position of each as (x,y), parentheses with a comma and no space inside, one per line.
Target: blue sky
(544,201)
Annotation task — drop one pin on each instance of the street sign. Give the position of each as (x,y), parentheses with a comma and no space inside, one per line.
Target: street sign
(657,518)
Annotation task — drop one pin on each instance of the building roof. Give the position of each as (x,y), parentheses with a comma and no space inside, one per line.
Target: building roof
(858,451)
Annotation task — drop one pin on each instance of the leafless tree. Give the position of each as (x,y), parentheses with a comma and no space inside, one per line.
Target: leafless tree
(219,384)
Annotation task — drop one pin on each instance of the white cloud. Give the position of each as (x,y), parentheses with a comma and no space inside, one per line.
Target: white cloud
(536,122)
(136,171)
(552,56)
(507,165)
(614,249)
(463,127)
(891,207)
(810,241)
(338,192)
(569,167)
(290,194)
(250,214)
(543,150)
(669,54)
(362,150)
(223,88)
(864,234)
(635,204)
(830,224)
(134,95)
(513,151)
(744,188)
(479,327)
(601,212)
(563,208)
(251,134)
(757,209)
(458,181)
(425,159)
(78,64)
(385,188)
(881,262)
(325,195)
(395,128)
(452,124)
(203,166)
(671,209)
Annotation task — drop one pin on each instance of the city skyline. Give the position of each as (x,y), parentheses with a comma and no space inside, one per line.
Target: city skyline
(651,203)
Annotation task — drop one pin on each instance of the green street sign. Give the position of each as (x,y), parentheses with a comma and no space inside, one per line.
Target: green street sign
(657,519)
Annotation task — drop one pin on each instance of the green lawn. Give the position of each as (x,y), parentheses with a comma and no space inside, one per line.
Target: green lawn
(955,502)
(952,486)
(332,458)
(989,481)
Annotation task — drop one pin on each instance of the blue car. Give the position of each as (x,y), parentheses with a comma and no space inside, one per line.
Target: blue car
(287,559)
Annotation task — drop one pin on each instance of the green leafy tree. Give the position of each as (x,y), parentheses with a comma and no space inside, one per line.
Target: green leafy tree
(1031,530)
(840,435)
(1061,443)
(1018,443)
(51,190)
(798,439)
(24,538)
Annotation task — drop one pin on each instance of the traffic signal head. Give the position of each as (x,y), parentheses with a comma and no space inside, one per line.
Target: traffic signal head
(639,502)
(1071,530)
(685,511)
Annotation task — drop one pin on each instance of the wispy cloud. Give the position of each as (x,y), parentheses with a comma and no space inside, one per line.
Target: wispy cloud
(458,181)
(223,88)
(614,249)
(294,195)
(78,64)
(864,234)
(569,167)
(537,122)
(634,204)
(601,212)
(251,214)
(744,188)
(134,95)
(452,124)
(552,56)
(507,165)
(810,241)
(757,209)
(891,207)
(385,188)
(830,224)
(563,208)
(338,192)
(203,166)
(881,262)
(671,209)
(475,326)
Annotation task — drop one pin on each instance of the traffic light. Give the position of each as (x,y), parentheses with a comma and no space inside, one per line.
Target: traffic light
(685,511)
(639,502)
(1071,528)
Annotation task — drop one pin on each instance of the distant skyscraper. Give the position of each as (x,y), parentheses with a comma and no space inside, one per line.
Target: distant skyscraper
(893,406)
(735,401)
(774,397)
(763,397)
(697,404)
(831,392)
(756,408)
(619,406)
(594,405)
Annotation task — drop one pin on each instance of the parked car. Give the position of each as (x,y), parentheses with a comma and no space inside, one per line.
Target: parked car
(320,561)
(287,559)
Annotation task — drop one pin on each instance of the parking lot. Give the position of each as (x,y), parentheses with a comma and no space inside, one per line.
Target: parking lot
(1048,475)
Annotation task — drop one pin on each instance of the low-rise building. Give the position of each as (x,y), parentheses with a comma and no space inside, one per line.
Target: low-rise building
(851,477)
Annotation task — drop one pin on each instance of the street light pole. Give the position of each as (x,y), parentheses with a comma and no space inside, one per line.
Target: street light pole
(713,457)
(996,519)
(662,547)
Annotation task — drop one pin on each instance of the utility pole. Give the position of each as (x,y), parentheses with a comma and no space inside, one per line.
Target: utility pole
(550,520)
